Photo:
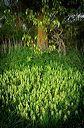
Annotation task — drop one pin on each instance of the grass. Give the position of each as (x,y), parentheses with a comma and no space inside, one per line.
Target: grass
(41,89)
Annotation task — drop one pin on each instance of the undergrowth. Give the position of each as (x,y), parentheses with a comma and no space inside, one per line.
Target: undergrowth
(41,89)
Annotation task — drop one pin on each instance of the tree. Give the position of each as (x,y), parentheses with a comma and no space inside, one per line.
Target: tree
(55,8)
(47,16)
(42,10)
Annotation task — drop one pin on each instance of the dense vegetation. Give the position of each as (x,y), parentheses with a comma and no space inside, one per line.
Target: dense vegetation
(41,64)
(41,89)
(30,22)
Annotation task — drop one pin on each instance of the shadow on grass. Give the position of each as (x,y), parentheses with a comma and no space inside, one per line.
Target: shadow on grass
(10,119)
(22,57)
(15,59)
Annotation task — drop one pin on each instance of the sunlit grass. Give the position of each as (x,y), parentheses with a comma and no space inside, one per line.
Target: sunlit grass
(44,89)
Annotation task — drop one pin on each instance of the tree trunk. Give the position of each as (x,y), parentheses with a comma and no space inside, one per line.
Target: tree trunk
(42,38)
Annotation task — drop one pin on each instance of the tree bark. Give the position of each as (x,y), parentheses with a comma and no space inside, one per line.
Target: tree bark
(42,38)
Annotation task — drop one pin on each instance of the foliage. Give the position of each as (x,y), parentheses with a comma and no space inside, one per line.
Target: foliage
(11,30)
(44,88)
(53,15)
(50,22)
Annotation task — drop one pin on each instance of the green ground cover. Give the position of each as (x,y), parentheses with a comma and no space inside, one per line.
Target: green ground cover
(41,89)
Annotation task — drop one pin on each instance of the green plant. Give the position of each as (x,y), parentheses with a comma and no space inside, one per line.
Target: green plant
(42,88)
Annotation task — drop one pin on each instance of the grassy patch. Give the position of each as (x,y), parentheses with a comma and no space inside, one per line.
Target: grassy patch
(41,90)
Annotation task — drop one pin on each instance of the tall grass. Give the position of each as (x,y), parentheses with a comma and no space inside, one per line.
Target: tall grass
(41,89)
